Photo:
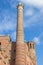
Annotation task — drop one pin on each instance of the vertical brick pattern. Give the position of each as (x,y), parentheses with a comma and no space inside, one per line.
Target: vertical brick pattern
(20,46)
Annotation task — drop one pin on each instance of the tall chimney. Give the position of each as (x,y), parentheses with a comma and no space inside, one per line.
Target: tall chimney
(20,29)
(20,45)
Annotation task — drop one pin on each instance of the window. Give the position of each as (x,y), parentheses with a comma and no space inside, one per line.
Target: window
(14,50)
(0,43)
(13,59)
(0,46)
(30,46)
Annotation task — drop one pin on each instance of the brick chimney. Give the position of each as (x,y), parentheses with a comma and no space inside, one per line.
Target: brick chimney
(20,45)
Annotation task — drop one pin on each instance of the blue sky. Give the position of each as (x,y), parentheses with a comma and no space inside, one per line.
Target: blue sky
(33,22)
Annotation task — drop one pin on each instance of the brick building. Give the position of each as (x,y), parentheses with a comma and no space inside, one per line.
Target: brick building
(19,52)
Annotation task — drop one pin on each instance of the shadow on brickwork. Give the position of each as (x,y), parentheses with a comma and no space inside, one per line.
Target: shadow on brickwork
(13,53)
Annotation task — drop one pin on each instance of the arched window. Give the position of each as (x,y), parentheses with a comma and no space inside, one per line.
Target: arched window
(30,45)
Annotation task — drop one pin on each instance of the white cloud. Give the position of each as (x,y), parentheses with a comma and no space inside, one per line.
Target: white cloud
(38,3)
(36,20)
(29,12)
(39,39)
(36,40)
(8,22)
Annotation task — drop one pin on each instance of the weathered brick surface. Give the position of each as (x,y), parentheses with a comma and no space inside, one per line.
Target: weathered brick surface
(24,53)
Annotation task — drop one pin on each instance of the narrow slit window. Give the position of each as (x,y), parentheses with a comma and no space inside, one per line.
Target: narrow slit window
(30,46)
(14,50)
(0,46)
(13,59)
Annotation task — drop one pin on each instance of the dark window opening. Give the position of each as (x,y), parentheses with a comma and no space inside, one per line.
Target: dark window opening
(0,43)
(0,46)
(13,59)
(30,46)
(14,50)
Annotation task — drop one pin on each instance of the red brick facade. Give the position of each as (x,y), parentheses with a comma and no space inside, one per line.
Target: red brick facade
(8,52)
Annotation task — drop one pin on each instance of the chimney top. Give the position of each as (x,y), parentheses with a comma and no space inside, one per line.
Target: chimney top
(20,4)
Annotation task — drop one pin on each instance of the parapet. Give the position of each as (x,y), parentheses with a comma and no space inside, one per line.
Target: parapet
(5,38)
(31,45)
